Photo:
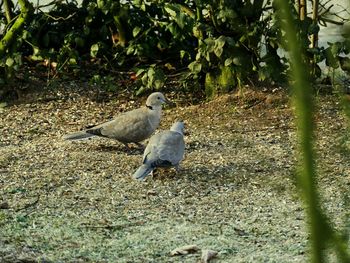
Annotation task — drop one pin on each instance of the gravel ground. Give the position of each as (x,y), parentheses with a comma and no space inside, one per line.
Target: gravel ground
(236,193)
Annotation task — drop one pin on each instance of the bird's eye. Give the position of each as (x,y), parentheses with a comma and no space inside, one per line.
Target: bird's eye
(158,98)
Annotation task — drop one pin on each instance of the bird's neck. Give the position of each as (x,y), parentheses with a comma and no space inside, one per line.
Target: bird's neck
(154,108)
(178,131)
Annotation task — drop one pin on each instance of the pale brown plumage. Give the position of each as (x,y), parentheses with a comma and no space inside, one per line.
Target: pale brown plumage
(129,127)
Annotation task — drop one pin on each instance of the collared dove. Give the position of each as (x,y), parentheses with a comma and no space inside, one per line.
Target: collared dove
(132,126)
(164,149)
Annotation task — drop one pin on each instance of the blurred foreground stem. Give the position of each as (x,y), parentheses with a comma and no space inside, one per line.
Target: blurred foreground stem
(320,230)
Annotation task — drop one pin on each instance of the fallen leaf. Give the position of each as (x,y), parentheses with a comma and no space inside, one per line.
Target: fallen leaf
(184,250)
(208,255)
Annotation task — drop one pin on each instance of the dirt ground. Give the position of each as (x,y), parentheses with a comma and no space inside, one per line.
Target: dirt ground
(236,193)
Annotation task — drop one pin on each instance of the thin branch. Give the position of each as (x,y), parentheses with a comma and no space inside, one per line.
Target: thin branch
(323,19)
(54,2)
(26,206)
(59,18)
(327,11)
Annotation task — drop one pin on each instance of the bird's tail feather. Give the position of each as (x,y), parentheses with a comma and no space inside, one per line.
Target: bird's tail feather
(77,136)
(142,172)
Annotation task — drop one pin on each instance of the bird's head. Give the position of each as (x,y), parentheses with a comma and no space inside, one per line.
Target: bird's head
(179,127)
(156,99)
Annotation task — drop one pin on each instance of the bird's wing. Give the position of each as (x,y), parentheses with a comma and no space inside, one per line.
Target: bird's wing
(167,146)
(132,126)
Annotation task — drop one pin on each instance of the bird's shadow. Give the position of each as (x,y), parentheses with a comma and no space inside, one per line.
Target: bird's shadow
(120,149)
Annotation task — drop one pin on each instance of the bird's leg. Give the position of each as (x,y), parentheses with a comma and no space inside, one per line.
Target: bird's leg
(127,146)
(140,145)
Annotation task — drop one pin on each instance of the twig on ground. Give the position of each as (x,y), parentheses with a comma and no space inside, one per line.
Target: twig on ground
(26,206)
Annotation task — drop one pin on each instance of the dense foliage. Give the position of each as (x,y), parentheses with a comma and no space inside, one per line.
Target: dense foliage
(220,43)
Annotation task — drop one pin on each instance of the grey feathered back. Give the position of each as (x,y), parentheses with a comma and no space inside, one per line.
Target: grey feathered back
(164,149)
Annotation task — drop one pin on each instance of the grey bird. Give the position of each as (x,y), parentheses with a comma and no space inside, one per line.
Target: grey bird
(164,149)
(130,127)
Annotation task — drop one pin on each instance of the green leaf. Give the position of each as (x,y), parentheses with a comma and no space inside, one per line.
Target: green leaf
(226,79)
(344,63)
(228,61)
(313,29)
(229,41)
(100,3)
(94,50)
(136,3)
(180,20)
(10,62)
(144,79)
(72,61)
(262,74)
(86,30)
(195,67)
(184,53)
(158,84)
(236,61)
(136,31)
(173,29)
(26,35)
(218,51)
(140,71)
(130,49)
(335,48)
(220,42)
(210,44)
(159,79)
(151,72)
(140,91)
(331,61)
(79,41)
(171,9)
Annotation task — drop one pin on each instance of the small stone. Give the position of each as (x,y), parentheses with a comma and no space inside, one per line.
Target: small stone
(4,205)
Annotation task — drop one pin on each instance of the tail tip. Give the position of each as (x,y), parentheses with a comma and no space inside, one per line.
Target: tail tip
(142,172)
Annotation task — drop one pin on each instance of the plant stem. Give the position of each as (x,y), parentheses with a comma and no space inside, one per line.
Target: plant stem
(8,10)
(16,28)
(303,101)
(199,16)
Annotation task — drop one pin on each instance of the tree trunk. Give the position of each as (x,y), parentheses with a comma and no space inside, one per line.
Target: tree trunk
(314,37)
(302,9)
